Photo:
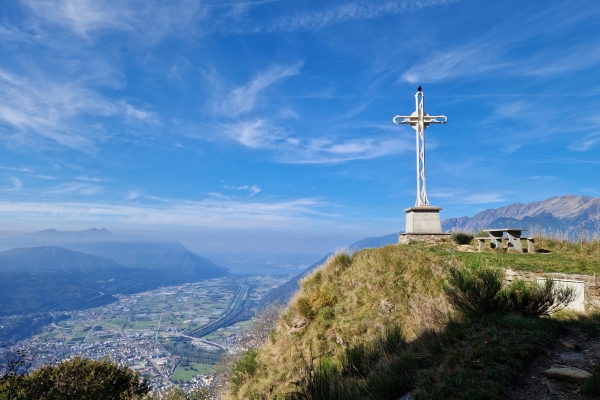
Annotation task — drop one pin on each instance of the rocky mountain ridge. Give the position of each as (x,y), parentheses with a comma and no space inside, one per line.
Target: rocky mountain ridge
(563,216)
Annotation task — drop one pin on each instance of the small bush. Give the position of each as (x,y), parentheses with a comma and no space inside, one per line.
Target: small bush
(462,237)
(473,289)
(244,368)
(532,299)
(477,290)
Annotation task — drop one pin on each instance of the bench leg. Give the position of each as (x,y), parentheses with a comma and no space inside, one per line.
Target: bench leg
(530,246)
(515,245)
(481,244)
(496,243)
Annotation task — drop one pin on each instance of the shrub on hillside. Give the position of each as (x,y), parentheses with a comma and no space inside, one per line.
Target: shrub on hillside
(476,290)
(79,379)
(243,368)
(473,289)
(462,237)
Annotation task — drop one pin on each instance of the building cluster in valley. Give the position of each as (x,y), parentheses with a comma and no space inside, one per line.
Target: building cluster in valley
(137,329)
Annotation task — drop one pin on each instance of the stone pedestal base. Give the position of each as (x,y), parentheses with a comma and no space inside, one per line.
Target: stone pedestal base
(429,238)
(423,224)
(423,219)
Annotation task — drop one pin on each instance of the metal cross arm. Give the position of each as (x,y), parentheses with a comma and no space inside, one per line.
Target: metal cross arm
(414,119)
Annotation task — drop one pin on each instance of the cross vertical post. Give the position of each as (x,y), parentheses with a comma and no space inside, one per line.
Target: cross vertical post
(420,120)
(422,220)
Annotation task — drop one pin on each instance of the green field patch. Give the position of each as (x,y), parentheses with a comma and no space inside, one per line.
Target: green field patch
(186,373)
(77,339)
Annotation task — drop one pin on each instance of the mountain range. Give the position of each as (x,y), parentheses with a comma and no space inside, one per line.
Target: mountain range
(563,216)
(78,270)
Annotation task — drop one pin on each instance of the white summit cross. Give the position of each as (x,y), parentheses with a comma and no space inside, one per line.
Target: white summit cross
(422,219)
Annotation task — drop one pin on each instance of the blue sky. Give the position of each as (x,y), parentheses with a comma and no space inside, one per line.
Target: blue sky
(266,126)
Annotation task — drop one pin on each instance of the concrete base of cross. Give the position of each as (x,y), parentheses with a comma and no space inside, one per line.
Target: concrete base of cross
(423,220)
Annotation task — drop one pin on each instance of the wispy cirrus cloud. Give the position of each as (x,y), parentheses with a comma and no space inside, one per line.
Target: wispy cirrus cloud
(473,60)
(458,196)
(146,19)
(42,108)
(70,188)
(254,189)
(217,213)
(20,169)
(16,184)
(260,134)
(497,50)
(342,12)
(88,179)
(243,99)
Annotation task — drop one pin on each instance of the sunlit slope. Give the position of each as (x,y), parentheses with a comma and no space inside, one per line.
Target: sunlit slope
(348,301)
(377,325)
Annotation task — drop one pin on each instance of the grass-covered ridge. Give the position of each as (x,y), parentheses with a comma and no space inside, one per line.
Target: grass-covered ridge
(378,324)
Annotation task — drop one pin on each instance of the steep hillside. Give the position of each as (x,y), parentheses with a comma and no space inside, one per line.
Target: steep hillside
(561,216)
(41,278)
(284,293)
(377,325)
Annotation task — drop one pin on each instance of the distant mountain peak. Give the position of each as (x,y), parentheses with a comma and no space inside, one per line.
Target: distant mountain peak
(93,232)
(557,215)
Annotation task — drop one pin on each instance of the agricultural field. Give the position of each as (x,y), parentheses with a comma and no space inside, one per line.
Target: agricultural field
(141,328)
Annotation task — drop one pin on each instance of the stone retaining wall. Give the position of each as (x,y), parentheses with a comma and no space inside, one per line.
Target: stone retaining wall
(590,283)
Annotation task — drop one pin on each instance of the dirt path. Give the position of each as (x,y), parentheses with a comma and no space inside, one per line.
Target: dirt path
(575,349)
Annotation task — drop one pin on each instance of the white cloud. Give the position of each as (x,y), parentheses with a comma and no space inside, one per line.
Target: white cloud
(457,196)
(132,194)
(498,50)
(40,108)
(16,184)
(586,143)
(254,189)
(256,134)
(20,169)
(150,20)
(348,11)
(216,213)
(82,189)
(88,179)
(260,134)
(243,99)
(471,60)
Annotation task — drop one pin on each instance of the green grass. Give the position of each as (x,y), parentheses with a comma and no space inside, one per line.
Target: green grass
(346,352)
(188,372)
(551,256)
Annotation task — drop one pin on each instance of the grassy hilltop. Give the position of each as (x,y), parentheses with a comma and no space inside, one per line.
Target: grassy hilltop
(379,324)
